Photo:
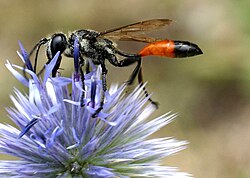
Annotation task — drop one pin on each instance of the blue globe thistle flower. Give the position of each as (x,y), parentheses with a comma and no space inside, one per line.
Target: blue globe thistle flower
(56,137)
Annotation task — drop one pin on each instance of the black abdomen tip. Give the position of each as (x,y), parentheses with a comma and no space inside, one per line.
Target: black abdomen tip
(186,49)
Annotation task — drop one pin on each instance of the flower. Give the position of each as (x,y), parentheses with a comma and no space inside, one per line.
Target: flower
(56,137)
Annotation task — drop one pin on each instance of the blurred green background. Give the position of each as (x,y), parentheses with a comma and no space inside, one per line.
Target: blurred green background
(210,93)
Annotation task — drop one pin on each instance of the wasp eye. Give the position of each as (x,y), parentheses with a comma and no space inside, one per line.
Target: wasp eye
(58,43)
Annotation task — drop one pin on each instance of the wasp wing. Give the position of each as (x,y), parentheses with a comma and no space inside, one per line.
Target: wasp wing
(136,31)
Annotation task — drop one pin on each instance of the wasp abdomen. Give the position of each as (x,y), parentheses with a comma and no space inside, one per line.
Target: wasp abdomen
(159,48)
(171,49)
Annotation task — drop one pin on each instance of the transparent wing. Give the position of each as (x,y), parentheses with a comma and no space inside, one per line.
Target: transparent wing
(136,31)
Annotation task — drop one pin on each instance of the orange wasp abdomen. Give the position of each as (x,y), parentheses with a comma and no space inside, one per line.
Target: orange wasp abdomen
(159,48)
(171,49)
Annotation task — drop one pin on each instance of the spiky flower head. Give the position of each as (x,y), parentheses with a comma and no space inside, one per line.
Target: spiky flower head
(57,137)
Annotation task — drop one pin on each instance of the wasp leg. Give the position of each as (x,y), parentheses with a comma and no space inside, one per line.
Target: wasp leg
(140,80)
(138,72)
(87,70)
(104,89)
(130,59)
(81,63)
(134,73)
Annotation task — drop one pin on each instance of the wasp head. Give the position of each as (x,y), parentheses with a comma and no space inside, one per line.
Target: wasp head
(57,43)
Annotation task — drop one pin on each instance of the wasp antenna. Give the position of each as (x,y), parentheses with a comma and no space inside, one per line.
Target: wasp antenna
(37,48)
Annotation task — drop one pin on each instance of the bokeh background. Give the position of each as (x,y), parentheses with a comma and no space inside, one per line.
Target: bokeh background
(210,93)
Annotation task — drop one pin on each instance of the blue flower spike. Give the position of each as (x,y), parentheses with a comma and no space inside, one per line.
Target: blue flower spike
(25,57)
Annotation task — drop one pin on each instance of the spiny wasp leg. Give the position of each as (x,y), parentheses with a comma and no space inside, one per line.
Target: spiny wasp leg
(134,73)
(140,81)
(130,59)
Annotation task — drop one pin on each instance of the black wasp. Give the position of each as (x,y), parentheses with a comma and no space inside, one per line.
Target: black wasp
(98,46)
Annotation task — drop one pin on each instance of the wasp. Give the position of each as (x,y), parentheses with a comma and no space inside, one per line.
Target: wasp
(100,46)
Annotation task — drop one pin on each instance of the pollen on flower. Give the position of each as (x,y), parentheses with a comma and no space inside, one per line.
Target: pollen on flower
(57,137)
